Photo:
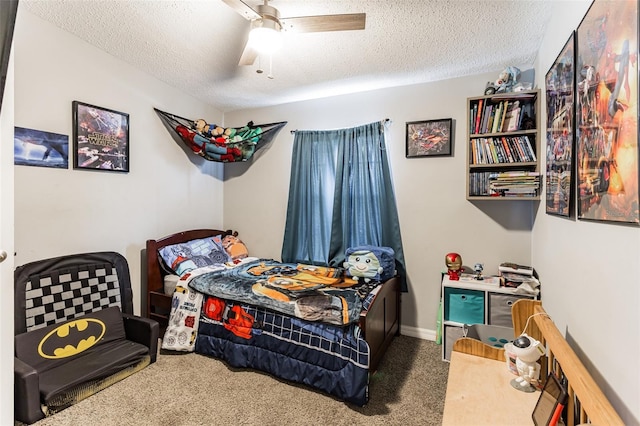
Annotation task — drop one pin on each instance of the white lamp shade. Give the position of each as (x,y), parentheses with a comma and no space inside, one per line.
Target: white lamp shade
(265,39)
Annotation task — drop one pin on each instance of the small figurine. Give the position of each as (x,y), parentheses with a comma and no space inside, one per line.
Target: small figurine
(454,265)
(478,268)
(505,83)
(527,350)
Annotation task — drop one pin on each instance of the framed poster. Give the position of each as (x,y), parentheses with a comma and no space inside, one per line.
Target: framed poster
(607,112)
(559,83)
(39,148)
(429,138)
(100,138)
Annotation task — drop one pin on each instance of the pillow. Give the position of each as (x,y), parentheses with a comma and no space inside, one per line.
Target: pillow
(370,263)
(184,257)
(235,248)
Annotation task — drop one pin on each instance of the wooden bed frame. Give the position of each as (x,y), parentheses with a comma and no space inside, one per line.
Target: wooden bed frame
(379,324)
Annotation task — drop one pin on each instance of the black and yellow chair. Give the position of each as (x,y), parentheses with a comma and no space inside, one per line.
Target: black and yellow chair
(75,332)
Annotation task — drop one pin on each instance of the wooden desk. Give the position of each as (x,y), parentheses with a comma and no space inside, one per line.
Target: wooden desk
(479,392)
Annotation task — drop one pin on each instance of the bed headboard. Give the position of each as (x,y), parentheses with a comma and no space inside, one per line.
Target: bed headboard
(155,271)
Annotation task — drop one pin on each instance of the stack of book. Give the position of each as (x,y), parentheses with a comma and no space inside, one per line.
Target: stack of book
(500,150)
(514,184)
(514,275)
(500,115)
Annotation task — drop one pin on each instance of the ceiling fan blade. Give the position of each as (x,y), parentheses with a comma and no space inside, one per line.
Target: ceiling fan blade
(249,55)
(312,24)
(243,9)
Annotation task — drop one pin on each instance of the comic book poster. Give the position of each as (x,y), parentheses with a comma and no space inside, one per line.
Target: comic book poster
(560,89)
(100,138)
(39,148)
(607,112)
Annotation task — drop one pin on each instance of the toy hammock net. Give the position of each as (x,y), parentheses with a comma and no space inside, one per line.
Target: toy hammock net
(225,145)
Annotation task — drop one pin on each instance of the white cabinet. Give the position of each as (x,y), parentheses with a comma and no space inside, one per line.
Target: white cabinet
(470,301)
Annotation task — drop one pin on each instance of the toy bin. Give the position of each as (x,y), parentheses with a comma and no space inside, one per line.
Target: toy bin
(500,308)
(451,334)
(492,335)
(463,306)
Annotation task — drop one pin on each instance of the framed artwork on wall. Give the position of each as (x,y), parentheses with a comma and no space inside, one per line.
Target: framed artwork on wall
(607,112)
(429,138)
(39,148)
(100,138)
(559,83)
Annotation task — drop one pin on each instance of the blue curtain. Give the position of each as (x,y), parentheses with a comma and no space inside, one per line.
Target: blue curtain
(340,196)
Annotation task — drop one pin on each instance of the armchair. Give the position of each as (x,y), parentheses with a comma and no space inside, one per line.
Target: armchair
(75,332)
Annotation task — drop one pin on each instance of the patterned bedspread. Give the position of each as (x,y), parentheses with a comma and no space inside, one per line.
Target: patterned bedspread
(308,292)
(331,358)
(297,322)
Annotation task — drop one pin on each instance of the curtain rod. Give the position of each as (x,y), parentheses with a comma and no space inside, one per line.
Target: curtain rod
(386,120)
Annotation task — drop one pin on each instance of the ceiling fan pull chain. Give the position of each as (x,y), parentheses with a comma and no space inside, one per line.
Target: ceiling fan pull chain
(259,70)
(270,75)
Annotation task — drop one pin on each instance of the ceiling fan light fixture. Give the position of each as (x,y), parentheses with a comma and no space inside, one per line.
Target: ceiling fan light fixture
(265,36)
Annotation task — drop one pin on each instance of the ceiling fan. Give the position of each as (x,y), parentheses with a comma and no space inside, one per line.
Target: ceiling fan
(266,26)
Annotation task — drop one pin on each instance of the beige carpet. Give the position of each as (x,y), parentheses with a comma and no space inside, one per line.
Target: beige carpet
(408,389)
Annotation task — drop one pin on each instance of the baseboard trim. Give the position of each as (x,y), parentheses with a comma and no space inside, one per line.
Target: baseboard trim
(420,333)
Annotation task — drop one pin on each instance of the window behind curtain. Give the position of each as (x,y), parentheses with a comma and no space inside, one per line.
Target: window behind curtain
(340,196)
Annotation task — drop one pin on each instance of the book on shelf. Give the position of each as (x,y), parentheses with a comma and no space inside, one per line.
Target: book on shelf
(492,115)
(532,154)
(497,118)
(478,116)
(506,149)
(505,109)
(472,118)
(513,117)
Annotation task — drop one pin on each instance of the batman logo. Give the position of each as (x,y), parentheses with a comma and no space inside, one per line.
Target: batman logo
(71,338)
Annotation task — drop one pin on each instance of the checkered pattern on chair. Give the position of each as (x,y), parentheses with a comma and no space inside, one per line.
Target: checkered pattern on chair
(65,295)
(55,290)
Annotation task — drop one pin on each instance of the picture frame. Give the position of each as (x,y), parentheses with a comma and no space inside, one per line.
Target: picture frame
(39,148)
(606,113)
(560,90)
(429,138)
(100,138)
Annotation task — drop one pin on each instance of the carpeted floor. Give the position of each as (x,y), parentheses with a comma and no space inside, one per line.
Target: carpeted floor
(408,389)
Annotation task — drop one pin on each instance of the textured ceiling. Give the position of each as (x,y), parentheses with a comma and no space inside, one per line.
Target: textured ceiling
(195,45)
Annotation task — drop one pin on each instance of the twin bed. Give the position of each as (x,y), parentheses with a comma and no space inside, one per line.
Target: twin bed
(301,323)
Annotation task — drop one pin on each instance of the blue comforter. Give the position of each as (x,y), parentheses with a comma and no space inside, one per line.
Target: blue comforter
(308,292)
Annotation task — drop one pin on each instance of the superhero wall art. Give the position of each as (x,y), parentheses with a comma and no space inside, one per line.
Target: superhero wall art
(607,112)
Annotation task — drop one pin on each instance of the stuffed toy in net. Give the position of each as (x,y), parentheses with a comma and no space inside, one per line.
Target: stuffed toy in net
(216,143)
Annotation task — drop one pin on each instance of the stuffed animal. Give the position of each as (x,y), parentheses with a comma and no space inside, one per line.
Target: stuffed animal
(203,128)
(201,145)
(236,249)
(370,263)
(527,350)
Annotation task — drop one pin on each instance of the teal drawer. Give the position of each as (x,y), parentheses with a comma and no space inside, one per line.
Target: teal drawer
(465,306)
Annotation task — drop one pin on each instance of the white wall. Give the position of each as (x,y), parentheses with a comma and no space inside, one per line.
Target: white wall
(435,218)
(6,245)
(591,270)
(71,211)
